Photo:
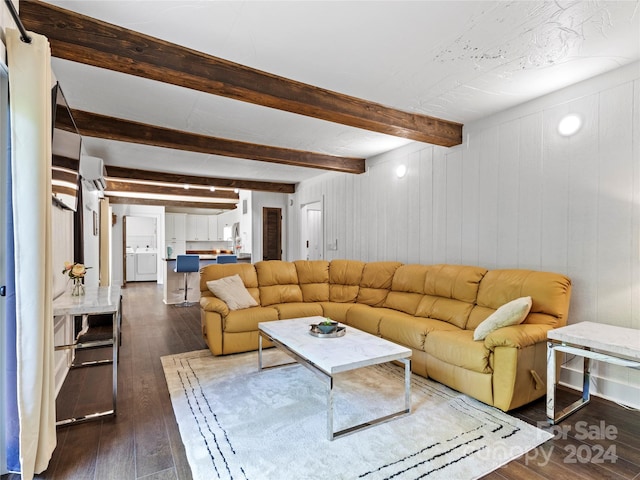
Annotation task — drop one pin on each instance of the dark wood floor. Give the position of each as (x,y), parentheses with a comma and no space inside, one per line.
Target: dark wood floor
(601,441)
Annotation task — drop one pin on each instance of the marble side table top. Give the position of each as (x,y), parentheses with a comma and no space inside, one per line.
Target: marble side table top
(599,336)
(96,300)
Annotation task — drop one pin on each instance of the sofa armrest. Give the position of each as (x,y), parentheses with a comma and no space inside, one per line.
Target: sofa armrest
(214,304)
(517,336)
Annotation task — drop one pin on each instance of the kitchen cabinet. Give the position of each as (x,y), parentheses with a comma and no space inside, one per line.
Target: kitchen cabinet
(212,222)
(197,228)
(174,227)
(131,267)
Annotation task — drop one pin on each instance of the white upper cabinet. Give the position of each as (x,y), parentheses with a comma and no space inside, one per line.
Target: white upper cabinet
(197,228)
(174,227)
(213,227)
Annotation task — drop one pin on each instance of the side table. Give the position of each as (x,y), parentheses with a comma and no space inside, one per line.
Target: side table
(616,345)
(95,301)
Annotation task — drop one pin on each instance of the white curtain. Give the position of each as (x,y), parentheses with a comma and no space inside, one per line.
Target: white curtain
(30,104)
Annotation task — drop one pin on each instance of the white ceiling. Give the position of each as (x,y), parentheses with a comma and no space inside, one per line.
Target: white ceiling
(457,60)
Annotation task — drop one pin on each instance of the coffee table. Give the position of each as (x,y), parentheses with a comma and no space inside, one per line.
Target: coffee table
(328,356)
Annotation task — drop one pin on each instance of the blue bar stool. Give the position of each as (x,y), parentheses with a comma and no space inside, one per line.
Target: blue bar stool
(187,264)
(226,259)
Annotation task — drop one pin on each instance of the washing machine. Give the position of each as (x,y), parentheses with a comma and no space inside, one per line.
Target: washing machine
(146,266)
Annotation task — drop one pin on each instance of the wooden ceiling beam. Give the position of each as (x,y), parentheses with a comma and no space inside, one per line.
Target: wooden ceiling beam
(101,126)
(226,196)
(114,172)
(83,39)
(174,203)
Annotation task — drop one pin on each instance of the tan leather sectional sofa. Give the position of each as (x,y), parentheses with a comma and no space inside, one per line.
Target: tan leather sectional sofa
(432,309)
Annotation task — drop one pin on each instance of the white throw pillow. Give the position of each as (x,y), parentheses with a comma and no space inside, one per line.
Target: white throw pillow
(231,290)
(511,313)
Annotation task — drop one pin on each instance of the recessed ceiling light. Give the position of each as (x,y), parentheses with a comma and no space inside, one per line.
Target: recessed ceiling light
(186,187)
(569,125)
(235,190)
(213,189)
(401,171)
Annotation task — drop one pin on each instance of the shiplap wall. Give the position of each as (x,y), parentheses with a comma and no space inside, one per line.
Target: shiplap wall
(515,195)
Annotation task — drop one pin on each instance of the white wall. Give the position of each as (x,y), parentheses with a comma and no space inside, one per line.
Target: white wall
(246,223)
(515,194)
(91,242)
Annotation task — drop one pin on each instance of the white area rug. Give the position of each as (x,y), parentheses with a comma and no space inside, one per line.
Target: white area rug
(239,423)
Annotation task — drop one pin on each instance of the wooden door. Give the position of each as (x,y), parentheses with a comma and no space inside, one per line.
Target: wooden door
(124,251)
(271,233)
(314,232)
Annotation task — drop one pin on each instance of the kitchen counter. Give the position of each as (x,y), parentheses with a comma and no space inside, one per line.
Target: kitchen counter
(243,257)
(174,281)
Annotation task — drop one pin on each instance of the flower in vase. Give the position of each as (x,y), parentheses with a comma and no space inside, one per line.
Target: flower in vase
(75,270)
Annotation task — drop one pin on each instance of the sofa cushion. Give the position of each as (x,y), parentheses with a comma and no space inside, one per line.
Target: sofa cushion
(298,310)
(460,282)
(365,318)
(313,277)
(407,329)
(278,282)
(336,311)
(450,293)
(246,271)
(247,320)
(511,313)
(457,347)
(407,288)
(448,310)
(549,293)
(232,291)
(344,280)
(376,282)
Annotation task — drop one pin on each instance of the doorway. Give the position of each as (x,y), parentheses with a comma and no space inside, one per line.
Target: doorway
(271,233)
(312,231)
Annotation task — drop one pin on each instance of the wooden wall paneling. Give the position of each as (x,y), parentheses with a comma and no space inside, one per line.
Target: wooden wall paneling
(356,225)
(614,208)
(378,214)
(439,205)
(487,143)
(337,212)
(342,215)
(413,208)
(634,374)
(396,197)
(615,222)
(362,239)
(555,192)
(583,207)
(453,225)
(635,217)
(470,202)
(426,205)
(331,218)
(508,192)
(529,200)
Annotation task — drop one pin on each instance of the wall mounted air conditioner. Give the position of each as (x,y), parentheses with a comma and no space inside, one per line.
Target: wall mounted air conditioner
(93,172)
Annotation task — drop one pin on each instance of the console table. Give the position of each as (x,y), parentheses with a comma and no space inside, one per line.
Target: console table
(95,301)
(616,345)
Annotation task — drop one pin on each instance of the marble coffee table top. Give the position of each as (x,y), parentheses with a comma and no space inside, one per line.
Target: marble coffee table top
(333,355)
(600,336)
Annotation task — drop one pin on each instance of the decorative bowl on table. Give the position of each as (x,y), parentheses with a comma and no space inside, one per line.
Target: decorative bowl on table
(332,331)
(328,327)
